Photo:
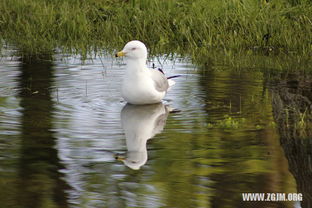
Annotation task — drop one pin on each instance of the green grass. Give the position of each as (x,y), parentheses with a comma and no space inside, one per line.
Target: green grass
(228,123)
(166,26)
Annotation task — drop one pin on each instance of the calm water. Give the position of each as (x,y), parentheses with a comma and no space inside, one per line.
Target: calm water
(67,139)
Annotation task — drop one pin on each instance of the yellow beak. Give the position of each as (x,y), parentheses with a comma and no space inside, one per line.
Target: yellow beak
(120,157)
(120,53)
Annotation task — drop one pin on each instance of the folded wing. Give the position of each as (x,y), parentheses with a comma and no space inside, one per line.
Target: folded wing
(160,80)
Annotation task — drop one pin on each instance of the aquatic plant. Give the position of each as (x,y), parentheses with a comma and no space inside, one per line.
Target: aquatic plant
(42,26)
(228,122)
(292,106)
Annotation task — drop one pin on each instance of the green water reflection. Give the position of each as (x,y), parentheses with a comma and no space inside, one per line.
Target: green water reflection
(35,180)
(60,150)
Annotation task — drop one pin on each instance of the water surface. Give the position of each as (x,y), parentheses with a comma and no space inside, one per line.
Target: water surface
(67,139)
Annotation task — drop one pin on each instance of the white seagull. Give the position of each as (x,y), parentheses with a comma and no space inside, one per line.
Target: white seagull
(142,85)
(140,123)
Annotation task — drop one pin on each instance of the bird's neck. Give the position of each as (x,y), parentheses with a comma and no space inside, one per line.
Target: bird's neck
(136,143)
(136,65)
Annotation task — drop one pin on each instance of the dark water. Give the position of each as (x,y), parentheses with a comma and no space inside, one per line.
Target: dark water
(68,140)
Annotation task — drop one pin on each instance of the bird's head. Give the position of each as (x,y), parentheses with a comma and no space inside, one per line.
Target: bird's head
(133,159)
(134,50)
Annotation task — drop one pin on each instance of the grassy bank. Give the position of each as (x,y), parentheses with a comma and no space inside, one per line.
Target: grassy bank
(80,26)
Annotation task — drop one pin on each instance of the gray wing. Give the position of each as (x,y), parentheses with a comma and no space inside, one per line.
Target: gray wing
(160,80)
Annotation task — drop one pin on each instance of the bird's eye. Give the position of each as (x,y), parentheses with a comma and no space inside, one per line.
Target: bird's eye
(133,49)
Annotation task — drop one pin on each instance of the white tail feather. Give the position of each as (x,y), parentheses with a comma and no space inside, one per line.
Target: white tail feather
(171,83)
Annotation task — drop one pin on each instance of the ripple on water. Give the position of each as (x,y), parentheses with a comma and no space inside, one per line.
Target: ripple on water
(186,159)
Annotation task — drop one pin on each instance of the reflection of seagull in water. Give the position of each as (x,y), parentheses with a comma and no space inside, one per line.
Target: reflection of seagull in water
(140,123)
(140,84)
